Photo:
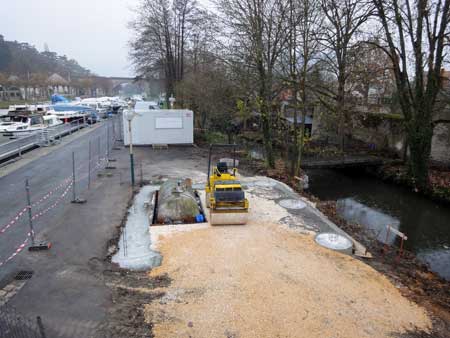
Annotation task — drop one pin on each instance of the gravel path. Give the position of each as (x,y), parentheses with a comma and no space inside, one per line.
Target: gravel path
(268,280)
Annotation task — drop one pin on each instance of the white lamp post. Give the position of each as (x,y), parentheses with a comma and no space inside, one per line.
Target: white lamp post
(129,115)
(172,101)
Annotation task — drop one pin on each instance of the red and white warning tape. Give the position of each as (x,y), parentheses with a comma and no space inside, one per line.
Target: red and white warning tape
(60,198)
(41,213)
(13,221)
(51,192)
(18,250)
(16,218)
(67,183)
(97,166)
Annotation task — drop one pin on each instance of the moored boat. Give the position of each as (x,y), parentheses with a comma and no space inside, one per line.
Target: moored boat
(21,125)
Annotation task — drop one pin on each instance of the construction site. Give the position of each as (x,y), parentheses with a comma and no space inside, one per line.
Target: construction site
(260,274)
(178,239)
(161,260)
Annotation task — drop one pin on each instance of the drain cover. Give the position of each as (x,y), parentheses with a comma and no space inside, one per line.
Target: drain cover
(292,204)
(24,275)
(334,242)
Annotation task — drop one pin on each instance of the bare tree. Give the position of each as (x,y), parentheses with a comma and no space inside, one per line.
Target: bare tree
(372,70)
(305,20)
(259,31)
(162,29)
(416,35)
(344,21)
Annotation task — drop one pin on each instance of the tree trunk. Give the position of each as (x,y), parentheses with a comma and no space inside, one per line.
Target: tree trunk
(419,138)
(266,113)
(340,112)
(295,148)
(267,133)
(302,139)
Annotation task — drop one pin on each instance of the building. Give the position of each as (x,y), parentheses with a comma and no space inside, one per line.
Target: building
(160,126)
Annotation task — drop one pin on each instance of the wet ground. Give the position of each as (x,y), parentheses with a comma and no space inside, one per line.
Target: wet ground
(375,204)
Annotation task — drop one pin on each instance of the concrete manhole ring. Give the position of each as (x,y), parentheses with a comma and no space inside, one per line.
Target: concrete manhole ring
(334,242)
(292,204)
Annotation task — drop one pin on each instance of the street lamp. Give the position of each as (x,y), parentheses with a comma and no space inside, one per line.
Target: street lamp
(129,115)
(172,101)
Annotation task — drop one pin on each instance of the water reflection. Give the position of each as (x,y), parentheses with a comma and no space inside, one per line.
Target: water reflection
(438,260)
(376,221)
(374,204)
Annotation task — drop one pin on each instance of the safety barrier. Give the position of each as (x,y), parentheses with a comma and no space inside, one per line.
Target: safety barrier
(41,204)
(391,230)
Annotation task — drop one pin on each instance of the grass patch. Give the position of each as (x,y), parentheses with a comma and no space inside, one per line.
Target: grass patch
(6,104)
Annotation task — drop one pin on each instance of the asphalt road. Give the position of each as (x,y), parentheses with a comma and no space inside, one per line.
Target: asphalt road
(45,174)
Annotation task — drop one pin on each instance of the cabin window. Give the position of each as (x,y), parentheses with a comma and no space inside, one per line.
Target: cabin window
(35,120)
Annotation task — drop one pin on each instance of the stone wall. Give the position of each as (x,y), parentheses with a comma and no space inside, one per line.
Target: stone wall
(377,130)
(440,146)
(384,132)
(381,131)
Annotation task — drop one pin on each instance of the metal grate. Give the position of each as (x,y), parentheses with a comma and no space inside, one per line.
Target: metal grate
(24,275)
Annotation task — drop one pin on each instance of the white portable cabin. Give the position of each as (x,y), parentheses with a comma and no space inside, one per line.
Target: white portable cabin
(160,126)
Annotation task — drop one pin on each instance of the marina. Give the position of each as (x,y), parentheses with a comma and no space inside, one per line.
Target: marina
(28,126)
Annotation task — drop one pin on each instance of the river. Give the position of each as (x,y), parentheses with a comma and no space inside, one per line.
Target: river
(375,204)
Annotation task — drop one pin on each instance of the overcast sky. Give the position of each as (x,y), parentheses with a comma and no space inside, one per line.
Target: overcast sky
(93,32)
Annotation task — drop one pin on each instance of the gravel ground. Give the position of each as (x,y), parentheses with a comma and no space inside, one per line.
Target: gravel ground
(268,280)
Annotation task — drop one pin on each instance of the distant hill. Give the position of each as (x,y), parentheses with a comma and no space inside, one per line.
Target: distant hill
(19,58)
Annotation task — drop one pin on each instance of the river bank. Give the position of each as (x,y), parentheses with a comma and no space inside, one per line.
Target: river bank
(410,275)
(439,186)
(407,273)
(363,199)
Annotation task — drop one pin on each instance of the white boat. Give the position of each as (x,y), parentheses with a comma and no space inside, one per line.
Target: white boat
(70,112)
(21,125)
(22,109)
(99,107)
(25,109)
(104,105)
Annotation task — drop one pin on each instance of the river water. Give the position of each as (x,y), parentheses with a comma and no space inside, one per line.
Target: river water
(375,204)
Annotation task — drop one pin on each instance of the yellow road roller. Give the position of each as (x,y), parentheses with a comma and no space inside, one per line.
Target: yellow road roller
(225,197)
